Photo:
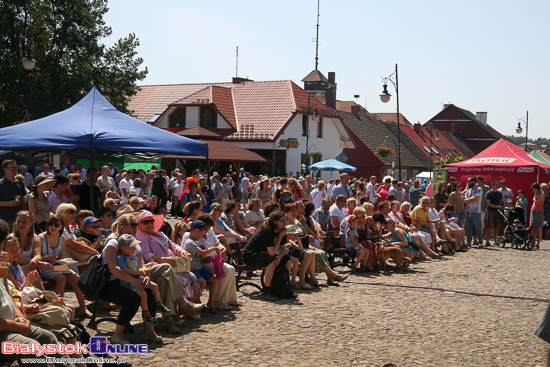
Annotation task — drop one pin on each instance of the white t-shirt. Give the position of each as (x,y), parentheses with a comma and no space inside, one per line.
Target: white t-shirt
(244,184)
(371,192)
(125,184)
(178,188)
(329,188)
(335,211)
(474,207)
(317,197)
(434,215)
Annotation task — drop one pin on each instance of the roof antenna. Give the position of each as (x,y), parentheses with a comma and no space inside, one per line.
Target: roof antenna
(237,64)
(316,40)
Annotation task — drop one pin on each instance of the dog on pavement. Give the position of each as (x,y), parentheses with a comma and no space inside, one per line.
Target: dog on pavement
(385,253)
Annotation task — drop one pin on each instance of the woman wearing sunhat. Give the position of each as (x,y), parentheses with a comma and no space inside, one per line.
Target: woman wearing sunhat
(38,202)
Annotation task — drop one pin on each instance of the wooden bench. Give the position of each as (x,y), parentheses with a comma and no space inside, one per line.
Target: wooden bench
(238,262)
(335,249)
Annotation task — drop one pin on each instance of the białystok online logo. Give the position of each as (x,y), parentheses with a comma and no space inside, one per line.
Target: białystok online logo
(98,345)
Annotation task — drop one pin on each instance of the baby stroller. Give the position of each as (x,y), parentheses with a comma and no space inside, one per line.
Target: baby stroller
(515,231)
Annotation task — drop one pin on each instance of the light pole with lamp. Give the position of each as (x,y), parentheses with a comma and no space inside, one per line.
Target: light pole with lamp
(384,144)
(436,138)
(315,117)
(385,97)
(519,130)
(28,64)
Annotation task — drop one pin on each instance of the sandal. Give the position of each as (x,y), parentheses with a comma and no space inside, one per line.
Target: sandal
(223,306)
(332,281)
(341,278)
(318,284)
(238,303)
(85,313)
(306,287)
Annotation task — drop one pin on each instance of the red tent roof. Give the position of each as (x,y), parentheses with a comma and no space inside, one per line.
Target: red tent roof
(502,154)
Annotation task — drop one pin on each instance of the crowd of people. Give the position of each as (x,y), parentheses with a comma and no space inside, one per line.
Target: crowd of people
(50,227)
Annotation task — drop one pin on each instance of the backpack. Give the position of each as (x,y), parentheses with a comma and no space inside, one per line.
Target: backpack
(286,196)
(280,284)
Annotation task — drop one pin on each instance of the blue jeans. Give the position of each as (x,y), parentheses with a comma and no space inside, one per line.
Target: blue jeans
(473,220)
(460,217)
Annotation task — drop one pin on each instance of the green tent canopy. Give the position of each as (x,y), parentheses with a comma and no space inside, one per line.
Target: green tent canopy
(540,156)
(124,162)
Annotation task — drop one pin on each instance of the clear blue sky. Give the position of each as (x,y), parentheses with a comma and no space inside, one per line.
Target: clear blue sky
(489,55)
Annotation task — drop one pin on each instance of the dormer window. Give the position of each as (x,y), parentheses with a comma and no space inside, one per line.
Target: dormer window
(209,117)
(177,118)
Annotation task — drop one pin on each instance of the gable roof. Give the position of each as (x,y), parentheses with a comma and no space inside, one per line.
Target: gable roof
(315,76)
(153,100)
(350,106)
(471,117)
(391,117)
(443,146)
(373,131)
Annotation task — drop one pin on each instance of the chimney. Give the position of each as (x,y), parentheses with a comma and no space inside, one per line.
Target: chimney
(453,129)
(331,90)
(356,109)
(239,80)
(482,117)
(418,128)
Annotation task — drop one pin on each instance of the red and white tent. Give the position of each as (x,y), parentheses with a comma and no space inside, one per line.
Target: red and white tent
(502,160)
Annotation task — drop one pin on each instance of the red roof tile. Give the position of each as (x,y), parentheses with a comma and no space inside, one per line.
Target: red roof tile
(423,139)
(315,76)
(391,117)
(351,107)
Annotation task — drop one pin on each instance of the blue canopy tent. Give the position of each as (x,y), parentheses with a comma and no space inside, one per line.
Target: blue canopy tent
(93,125)
(93,128)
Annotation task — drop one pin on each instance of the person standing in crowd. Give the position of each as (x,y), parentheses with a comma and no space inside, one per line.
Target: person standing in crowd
(217,188)
(27,175)
(125,185)
(537,214)
(507,193)
(342,188)
(160,188)
(415,193)
(81,171)
(450,185)
(105,182)
(384,190)
(456,199)
(484,189)
(207,193)
(177,189)
(243,188)
(59,193)
(82,197)
(472,214)
(12,193)
(494,203)
(46,171)
(373,196)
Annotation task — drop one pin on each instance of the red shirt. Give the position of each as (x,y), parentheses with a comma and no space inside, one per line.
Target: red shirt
(383,192)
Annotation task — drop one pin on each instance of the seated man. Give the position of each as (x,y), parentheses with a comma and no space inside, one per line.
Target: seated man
(421,220)
(338,211)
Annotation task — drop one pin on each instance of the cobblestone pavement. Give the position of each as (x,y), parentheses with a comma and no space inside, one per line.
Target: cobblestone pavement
(478,308)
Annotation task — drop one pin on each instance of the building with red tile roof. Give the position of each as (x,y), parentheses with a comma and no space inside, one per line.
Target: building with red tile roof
(270,118)
(391,117)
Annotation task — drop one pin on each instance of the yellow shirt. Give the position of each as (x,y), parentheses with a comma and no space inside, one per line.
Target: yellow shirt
(421,213)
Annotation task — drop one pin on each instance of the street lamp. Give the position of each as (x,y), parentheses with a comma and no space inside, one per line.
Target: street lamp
(315,117)
(28,64)
(385,97)
(519,130)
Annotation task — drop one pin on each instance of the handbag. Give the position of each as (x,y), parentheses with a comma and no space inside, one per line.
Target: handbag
(217,262)
(183,264)
(80,256)
(94,278)
(53,312)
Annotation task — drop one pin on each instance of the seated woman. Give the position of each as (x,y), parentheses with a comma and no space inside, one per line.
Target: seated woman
(68,214)
(365,241)
(220,227)
(231,217)
(254,214)
(305,256)
(263,193)
(157,247)
(266,249)
(321,260)
(351,203)
(192,210)
(30,246)
(451,225)
(399,222)
(318,194)
(38,202)
(401,239)
(52,248)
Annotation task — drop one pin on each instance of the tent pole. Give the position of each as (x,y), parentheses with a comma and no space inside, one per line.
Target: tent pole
(208,165)
(92,183)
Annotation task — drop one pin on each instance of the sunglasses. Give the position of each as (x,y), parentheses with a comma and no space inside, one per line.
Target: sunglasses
(11,168)
(56,225)
(134,225)
(71,211)
(148,221)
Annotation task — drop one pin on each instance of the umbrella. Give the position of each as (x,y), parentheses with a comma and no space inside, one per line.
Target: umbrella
(332,165)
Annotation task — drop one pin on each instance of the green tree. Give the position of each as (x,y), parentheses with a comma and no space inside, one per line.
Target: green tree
(65,37)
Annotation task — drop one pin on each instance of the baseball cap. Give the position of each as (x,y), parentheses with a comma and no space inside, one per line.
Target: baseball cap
(90,220)
(198,224)
(127,240)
